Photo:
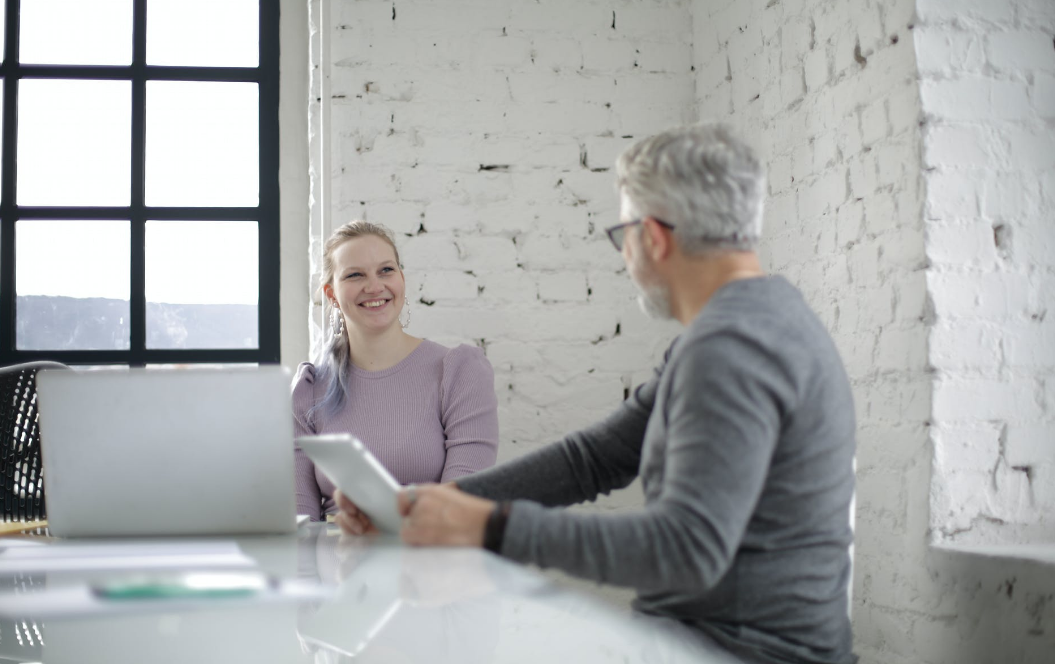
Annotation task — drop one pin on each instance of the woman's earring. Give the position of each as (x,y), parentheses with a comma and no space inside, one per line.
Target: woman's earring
(336,322)
(406,303)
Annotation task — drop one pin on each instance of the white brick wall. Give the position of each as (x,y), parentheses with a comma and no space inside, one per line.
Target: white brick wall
(989,157)
(484,133)
(889,231)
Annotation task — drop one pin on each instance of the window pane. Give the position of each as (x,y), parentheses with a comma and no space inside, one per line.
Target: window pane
(75,32)
(202,284)
(202,144)
(74,142)
(71,285)
(205,33)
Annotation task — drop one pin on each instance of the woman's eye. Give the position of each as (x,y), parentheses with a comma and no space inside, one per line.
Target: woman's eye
(387,269)
(351,275)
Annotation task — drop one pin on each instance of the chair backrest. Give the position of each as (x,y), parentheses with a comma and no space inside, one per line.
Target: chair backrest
(22,494)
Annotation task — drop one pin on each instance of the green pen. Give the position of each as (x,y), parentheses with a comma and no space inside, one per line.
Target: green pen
(198,585)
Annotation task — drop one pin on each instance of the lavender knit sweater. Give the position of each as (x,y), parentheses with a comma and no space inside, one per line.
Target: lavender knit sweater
(432,417)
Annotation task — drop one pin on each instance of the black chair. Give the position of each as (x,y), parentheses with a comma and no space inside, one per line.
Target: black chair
(20,464)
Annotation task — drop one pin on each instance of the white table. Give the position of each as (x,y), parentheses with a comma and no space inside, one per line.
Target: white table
(385,603)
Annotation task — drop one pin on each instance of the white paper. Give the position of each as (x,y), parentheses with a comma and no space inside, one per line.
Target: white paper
(79,601)
(77,557)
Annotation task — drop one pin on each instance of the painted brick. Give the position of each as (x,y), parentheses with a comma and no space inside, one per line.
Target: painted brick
(993,295)
(1035,245)
(441,286)
(742,46)
(869,29)
(967,98)
(792,86)
(1010,100)
(449,17)
(1008,195)
(746,89)
(513,286)
(816,70)
(965,345)
(1044,96)
(881,215)
(1018,50)
(959,146)
(957,244)
(559,18)
(936,11)
(603,54)
(731,19)
(663,56)
(902,349)
(1034,148)
(641,20)
(951,196)
(562,287)
(910,293)
(1030,346)
(547,86)
(1031,444)
(968,400)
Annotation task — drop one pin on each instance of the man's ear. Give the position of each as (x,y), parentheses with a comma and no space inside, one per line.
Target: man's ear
(659,242)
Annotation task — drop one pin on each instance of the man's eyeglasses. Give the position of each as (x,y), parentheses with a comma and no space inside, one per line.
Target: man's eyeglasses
(618,232)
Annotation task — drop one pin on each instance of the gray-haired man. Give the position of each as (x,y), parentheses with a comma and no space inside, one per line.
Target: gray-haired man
(743,439)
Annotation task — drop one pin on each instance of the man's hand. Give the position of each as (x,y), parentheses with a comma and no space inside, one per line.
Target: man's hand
(350,518)
(442,515)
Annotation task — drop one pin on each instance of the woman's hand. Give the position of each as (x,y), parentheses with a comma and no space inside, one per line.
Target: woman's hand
(442,515)
(350,518)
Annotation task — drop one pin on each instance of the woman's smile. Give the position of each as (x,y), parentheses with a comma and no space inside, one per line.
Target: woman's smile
(375,304)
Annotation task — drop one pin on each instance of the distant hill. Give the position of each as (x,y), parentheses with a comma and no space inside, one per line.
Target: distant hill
(61,323)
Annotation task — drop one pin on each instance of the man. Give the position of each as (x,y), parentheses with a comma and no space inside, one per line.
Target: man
(743,439)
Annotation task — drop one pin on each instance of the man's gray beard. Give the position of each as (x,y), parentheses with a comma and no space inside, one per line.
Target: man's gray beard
(654,301)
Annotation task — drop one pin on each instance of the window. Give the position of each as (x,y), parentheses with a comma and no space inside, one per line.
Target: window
(139,199)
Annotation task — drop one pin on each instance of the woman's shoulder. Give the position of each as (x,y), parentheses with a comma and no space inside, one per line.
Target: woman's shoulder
(304,375)
(303,387)
(465,359)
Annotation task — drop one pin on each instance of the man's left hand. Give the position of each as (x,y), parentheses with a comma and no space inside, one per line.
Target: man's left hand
(441,515)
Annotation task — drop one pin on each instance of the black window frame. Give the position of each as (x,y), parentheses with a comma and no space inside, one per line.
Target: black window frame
(266,213)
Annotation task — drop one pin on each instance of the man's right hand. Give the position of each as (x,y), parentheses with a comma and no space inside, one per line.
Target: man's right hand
(350,518)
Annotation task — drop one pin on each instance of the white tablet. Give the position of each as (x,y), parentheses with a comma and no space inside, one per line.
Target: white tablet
(358,474)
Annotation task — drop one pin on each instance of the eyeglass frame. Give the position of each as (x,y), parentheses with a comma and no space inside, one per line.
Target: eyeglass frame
(620,229)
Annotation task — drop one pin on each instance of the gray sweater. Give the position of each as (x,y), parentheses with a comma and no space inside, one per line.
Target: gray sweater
(744,441)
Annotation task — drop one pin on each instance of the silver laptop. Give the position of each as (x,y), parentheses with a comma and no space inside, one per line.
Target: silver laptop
(135,452)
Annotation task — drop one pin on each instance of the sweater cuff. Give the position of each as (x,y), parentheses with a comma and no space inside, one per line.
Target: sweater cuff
(495,530)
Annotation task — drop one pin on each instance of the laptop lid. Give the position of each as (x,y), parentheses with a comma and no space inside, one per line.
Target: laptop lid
(167,451)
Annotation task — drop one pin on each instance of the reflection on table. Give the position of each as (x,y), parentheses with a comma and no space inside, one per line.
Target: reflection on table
(374,601)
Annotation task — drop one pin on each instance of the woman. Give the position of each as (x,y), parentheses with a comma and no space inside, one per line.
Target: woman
(427,412)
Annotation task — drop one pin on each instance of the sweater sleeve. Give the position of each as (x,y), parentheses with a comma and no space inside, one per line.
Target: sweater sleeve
(723,423)
(469,412)
(309,497)
(592,461)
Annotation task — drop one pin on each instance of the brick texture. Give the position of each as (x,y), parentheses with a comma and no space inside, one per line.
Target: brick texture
(484,133)
(908,160)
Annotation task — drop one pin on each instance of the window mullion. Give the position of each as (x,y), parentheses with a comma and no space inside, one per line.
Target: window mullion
(7,183)
(137,276)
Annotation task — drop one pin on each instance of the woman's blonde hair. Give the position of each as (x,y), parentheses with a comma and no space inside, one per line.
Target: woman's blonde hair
(331,368)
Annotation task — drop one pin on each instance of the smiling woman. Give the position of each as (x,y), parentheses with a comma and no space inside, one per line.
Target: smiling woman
(427,412)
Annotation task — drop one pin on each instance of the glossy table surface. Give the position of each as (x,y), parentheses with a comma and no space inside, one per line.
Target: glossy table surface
(341,599)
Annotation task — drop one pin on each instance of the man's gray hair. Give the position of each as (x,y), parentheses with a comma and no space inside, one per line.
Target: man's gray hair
(702,180)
